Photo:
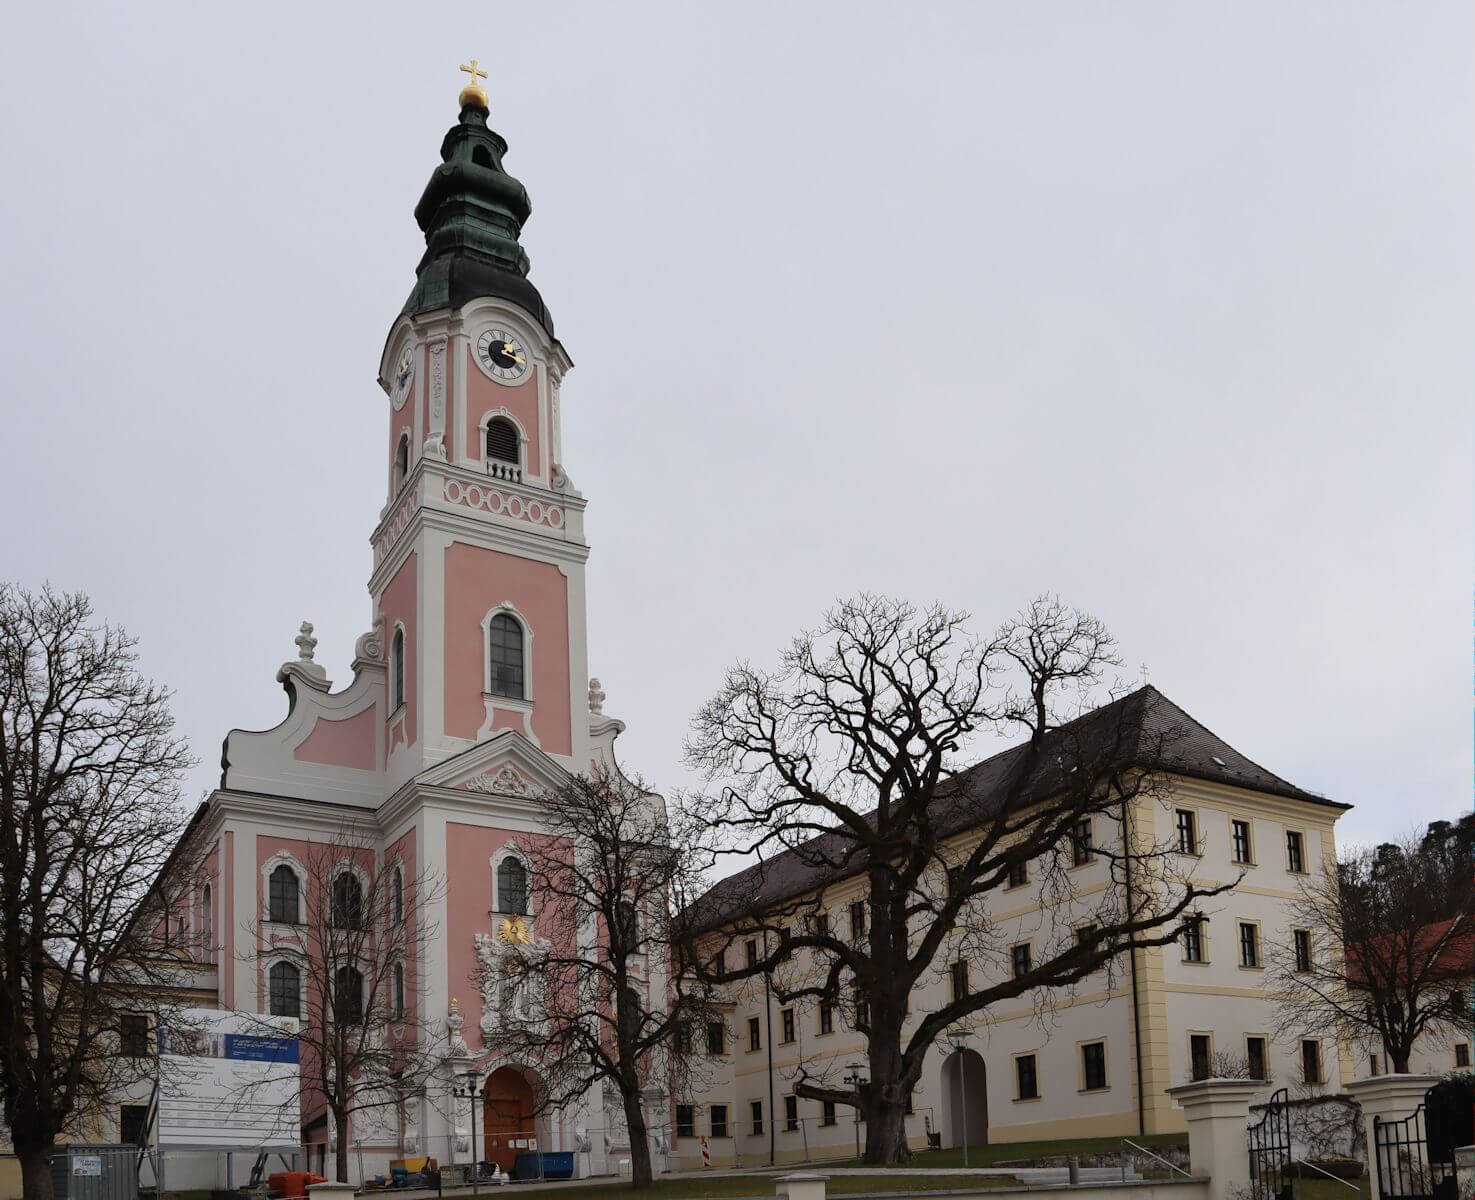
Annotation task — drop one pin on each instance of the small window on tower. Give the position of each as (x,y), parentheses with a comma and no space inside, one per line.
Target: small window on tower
(481,156)
(502,441)
(397,669)
(504,649)
(401,462)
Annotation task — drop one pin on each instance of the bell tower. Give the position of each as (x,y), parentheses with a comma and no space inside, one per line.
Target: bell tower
(479,553)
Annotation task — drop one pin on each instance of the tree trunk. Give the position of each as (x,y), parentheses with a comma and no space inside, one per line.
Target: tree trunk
(640,1172)
(1398,1060)
(35,1171)
(340,1155)
(886,1137)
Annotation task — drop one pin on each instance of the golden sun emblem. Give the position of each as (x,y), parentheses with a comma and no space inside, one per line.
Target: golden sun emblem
(514,930)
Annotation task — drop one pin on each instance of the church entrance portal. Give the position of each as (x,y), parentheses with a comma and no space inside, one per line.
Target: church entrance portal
(507,1116)
(965,1088)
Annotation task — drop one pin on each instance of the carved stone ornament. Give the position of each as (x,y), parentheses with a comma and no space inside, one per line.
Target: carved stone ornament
(370,646)
(434,447)
(596,698)
(437,382)
(511,980)
(514,930)
(505,781)
(455,1043)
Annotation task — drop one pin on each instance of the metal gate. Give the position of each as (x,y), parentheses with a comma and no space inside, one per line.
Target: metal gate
(1270,1150)
(1415,1156)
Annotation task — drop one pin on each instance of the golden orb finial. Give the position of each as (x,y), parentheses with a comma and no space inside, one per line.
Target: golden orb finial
(473,93)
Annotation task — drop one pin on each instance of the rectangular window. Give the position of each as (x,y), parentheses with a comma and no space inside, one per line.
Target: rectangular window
(399,991)
(1249,944)
(752,952)
(791,1113)
(1193,941)
(1198,1055)
(1093,1065)
(133,1122)
(959,972)
(755,1034)
(786,1022)
(858,920)
(827,1016)
(133,1035)
(683,1038)
(1020,956)
(1372,1064)
(862,1008)
(820,924)
(757,1110)
(716,1037)
(827,1112)
(1462,1054)
(1241,835)
(1019,873)
(1295,858)
(1255,1057)
(1026,1078)
(718,1120)
(1080,843)
(1187,833)
(719,962)
(1302,939)
(686,1120)
(1310,1061)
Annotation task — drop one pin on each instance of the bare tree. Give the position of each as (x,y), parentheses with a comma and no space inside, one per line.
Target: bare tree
(848,759)
(598,997)
(89,812)
(1385,945)
(346,955)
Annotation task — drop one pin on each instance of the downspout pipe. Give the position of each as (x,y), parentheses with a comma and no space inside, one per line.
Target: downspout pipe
(1132,960)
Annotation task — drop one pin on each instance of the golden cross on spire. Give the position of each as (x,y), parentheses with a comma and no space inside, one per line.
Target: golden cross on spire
(475,71)
(473,92)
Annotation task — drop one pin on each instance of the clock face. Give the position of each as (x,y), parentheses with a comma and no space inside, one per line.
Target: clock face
(401,375)
(503,355)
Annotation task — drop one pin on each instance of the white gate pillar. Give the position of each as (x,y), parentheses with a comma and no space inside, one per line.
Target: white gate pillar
(1217,1111)
(1389,1098)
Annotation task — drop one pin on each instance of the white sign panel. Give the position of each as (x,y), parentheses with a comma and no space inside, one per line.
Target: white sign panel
(230,1079)
(87,1164)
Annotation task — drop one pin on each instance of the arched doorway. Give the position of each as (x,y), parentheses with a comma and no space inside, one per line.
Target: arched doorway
(965,1089)
(507,1116)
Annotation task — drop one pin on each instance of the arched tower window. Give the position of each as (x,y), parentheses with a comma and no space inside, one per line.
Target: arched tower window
(401,462)
(397,670)
(282,901)
(398,896)
(348,901)
(504,646)
(286,990)
(481,156)
(512,886)
(503,443)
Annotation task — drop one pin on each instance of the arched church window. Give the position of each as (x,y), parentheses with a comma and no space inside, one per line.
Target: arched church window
(503,443)
(504,647)
(481,156)
(626,934)
(398,897)
(282,902)
(348,901)
(401,462)
(348,996)
(207,925)
(512,886)
(397,669)
(286,990)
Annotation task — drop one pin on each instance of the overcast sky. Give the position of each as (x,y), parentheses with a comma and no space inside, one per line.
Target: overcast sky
(1164,307)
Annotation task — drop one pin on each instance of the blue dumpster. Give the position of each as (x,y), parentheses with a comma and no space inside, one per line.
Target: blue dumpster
(557,1164)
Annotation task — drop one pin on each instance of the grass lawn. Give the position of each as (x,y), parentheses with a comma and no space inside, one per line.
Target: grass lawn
(1014,1152)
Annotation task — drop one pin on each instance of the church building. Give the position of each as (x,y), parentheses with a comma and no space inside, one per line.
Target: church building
(470,690)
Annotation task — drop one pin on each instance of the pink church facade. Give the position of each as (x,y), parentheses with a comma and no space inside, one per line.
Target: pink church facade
(470,689)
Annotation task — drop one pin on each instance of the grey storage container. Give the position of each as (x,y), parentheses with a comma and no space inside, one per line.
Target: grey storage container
(95,1172)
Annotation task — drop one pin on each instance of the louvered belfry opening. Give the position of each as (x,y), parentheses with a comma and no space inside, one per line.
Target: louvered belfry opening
(502,441)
